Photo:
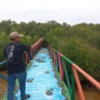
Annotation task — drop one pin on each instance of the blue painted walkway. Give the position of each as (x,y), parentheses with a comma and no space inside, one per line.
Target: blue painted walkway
(41,79)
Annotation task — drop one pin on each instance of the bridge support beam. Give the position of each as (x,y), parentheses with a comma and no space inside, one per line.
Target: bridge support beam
(81,94)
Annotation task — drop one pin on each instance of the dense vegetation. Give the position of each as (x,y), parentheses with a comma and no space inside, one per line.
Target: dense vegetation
(80,43)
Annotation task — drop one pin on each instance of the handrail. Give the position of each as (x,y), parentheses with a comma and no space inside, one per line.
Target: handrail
(62,69)
(73,73)
(91,79)
(2,76)
(2,63)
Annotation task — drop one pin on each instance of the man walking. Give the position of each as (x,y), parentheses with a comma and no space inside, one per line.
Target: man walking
(16,67)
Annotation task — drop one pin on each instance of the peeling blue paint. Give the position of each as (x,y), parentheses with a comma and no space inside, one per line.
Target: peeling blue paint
(41,78)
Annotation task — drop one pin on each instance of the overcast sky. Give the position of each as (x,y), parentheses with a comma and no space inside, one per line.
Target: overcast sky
(69,11)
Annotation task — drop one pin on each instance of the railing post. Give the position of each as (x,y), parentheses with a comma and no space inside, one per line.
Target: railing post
(52,55)
(81,94)
(51,51)
(67,78)
(54,58)
(26,58)
(57,62)
(61,68)
(73,84)
(31,52)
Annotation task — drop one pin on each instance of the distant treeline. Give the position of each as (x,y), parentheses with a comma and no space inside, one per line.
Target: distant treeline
(80,43)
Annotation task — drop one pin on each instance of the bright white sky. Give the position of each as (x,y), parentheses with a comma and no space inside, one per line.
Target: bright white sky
(69,11)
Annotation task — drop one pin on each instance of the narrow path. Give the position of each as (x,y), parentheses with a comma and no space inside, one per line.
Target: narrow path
(41,82)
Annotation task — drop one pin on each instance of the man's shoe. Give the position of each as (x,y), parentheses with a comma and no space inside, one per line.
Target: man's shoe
(26,97)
